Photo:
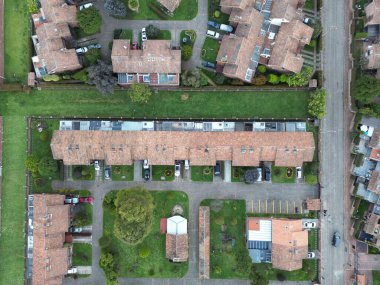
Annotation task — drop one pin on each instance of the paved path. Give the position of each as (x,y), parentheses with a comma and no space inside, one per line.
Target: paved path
(199,24)
(333,141)
(196,192)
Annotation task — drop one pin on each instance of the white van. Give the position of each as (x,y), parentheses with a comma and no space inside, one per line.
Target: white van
(299,172)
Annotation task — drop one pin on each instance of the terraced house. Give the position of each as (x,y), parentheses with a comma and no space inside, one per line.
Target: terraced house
(52,39)
(268,32)
(372,27)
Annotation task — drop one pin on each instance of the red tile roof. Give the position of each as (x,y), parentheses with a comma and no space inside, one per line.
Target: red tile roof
(204,242)
(177,247)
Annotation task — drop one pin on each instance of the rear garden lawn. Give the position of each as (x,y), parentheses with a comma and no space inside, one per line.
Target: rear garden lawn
(219,17)
(227,236)
(162,172)
(202,173)
(156,265)
(122,173)
(82,254)
(210,50)
(376,277)
(165,35)
(283,174)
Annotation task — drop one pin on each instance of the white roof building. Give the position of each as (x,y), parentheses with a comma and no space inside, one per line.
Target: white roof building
(263,232)
(176,225)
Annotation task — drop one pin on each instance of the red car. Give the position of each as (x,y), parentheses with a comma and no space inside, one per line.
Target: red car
(85,200)
(135,45)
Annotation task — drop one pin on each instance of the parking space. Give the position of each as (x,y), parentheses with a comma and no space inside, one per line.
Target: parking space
(275,206)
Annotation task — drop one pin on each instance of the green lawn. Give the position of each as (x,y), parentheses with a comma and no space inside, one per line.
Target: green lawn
(213,5)
(165,35)
(223,259)
(280,174)
(130,264)
(362,209)
(306,273)
(376,277)
(82,254)
(122,173)
(17,43)
(83,215)
(210,50)
(202,173)
(187,10)
(162,172)
(126,34)
(309,4)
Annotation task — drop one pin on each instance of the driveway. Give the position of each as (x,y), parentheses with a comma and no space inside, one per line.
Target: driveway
(199,24)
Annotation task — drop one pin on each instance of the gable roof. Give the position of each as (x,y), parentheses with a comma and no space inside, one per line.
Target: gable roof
(373,55)
(201,148)
(177,247)
(286,9)
(171,5)
(176,225)
(372,11)
(157,56)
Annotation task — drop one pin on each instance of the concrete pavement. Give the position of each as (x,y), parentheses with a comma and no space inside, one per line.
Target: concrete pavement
(333,141)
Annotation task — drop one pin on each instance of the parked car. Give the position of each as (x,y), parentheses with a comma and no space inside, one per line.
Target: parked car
(213,24)
(336,239)
(143,35)
(213,34)
(135,45)
(226,28)
(85,200)
(267,174)
(260,174)
(146,174)
(107,173)
(217,169)
(72,270)
(70,2)
(309,225)
(208,64)
(71,199)
(85,6)
(146,164)
(95,46)
(296,210)
(299,172)
(81,50)
(311,255)
(307,21)
(187,165)
(177,169)
(96,165)
(75,230)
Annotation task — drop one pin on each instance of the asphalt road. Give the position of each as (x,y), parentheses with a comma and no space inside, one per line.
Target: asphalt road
(335,62)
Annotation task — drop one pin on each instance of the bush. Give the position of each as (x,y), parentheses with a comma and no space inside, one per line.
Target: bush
(283,78)
(300,79)
(193,78)
(47,166)
(44,136)
(311,179)
(92,56)
(273,79)
(219,79)
(133,5)
(80,75)
(51,77)
(89,20)
(152,32)
(186,52)
(259,80)
(107,263)
(219,220)
(243,261)
(31,164)
(32,6)
(262,69)
(109,199)
(312,43)
(139,92)
(216,14)
(144,252)
(317,104)
(116,8)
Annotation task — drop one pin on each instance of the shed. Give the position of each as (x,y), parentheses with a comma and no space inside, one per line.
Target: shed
(163,225)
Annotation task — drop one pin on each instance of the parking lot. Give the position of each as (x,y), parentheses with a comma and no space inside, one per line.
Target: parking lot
(270,206)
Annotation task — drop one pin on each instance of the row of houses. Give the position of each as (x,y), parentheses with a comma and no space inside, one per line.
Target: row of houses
(372,45)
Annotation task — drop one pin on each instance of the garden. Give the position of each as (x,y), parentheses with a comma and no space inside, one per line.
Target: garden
(122,173)
(202,173)
(376,277)
(238,173)
(283,174)
(82,254)
(210,50)
(84,172)
(134,245)
(229,258)
(188,38)
(162,172)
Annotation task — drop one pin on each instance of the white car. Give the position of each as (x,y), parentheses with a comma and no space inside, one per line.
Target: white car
(310,255)
(96,165)
(299,172)
(143,35)
(187,165)
(81,50)
(260,174)
(177,169)
(146,164)
(309,225)
(213,34)
(226,28)
(85,6)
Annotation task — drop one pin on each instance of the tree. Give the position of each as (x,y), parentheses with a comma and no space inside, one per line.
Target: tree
(366,89)
(152,32)
(89,20)
(193,78)
(258,278)
(92,56)
(251,176)
(186,52)
(101,75)
(107,263)
(31,164)
(81,75)
(259,80)
(243,261)
(317,103)
(283,78)
(302,78)
(273,79)
(139,92)
(116,8)
(262,69)
(47,166)
(134,215)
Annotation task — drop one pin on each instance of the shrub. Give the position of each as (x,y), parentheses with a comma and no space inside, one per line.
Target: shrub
(31,164)
(217,270)
(262,69)
(107,263)
(317,104)
(312,43)
(300,79)
(32,6)
(47,166)
(144,252)
(219,79)
(44,136)
(51,77)
(216,14)
(89,20)
(80,75)
(219,220)
(273,79)
(109,199)
(139,92)
(116,33)
(186,52)
(152,32)
(133,5)
(283,78)
(259,80)
(311,179)
(92,56)
(233,221)
(116,8)
(193,78)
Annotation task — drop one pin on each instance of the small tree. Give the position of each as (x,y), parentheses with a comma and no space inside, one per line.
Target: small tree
(116,8)
(257,277)
(92,56)
(317,104)
(47,166)
(107,263)
(273,79)
(186,52)
(262,69)
(193,78)
(283,78)
(140,93)
(302,78)
(152,32)
(89,20)
(243,261)
(31,164)
(101,75)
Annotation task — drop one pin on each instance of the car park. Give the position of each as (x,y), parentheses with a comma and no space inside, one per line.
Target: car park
(71,199)
(143,34)
(213,34)
(309,225)
(81,50)
(85,6)
(226,28)
(94,46)
(311,255)
(107,173)
(217,169)
(146,174)
(267,174)
(208,64)
(96,165)
(187,165)
(213,24)
(299,172)
(85,200)
(177,169)
(336,239)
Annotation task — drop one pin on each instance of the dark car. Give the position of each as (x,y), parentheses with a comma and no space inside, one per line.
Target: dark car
(267,174)
(336,239)
(107,173)
(135,45)
(217,168)
(213,24)
(208,64)
(146,174)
